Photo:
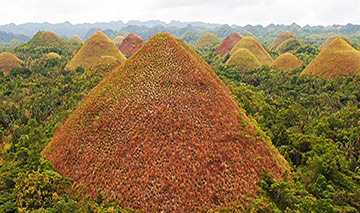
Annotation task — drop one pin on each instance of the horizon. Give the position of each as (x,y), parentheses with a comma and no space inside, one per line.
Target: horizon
(231,12)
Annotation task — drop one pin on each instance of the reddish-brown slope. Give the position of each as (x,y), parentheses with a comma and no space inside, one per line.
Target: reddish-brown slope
(228,43)
(160,133)
(130,44)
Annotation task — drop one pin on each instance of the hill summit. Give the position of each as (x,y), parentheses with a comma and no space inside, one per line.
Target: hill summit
(9,61)
(255,48)
(286,61)
(130,44)
(161,134)
(338,59)
(96,46)
(228,43)
(207,40)
(280,38)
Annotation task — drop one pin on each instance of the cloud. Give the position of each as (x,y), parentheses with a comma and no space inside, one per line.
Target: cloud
(240,12)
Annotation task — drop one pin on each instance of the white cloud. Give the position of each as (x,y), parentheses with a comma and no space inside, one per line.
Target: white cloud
(239,12)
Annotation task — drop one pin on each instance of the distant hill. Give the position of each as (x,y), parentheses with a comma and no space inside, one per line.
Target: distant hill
(228,43)
(286,61)
(338,59)
(6,37)
(9,61)
(243,60)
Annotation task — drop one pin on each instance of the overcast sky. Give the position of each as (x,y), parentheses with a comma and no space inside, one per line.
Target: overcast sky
(240,12)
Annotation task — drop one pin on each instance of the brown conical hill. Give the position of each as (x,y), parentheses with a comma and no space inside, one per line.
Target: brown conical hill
(130,44)
(255,48)
(328,41)
(159,133)
(338,59)
(207,40)
(228,43)
(286,61)
(9,61)
(97,45)
(77,38)
(118,40)
(243,60)
(283,36)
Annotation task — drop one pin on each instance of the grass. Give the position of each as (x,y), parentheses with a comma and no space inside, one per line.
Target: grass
(118,40)
(338,59)
(96,46)
(103,65)
(130,44)
(228,43)
(243,60)
(283,36)
(206,40)
(255,48)
(160,133)
(328,41)
(286,61)
(289,45)
(9,61)
(51,55)
(78,38)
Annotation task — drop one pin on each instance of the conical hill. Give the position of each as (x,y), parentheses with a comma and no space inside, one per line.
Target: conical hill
(104,65)
(255,48)
(118,40)
(96,46)
(338,59)
(207,40)
(78,39)
(292,44)
(243,60)
(286,61)
(130,44)
(9,61)
(280,38)
(159,133)
(228,43)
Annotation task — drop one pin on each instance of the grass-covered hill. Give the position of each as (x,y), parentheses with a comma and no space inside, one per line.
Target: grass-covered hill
(130,44)
(9,61)
(286,61)
(42,42)
(255,47)
(160,133)
(228,43)
(207,40)
(118,40)
(96,46)
(243,60)
(280,38)
(338,59)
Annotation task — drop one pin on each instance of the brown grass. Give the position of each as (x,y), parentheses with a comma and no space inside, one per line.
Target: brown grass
(338,59)
(228,43)
(328,41)
(283,36)
(255,48)
(130,44)
(286,61)
(78,38)
(96,46)
(51,55)
(159,133)
(206,40)
(9,61)
(243,60)
(118,40)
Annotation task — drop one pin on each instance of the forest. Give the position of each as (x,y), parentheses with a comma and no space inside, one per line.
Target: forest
(313,121)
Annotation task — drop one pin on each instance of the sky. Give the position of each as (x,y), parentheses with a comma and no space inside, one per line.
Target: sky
(239,12)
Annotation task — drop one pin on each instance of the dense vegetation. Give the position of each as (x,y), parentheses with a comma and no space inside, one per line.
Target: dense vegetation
(313,122)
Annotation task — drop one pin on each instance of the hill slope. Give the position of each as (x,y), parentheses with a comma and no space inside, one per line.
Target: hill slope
(160,133)
(255,48)
(280,38)
(97,45)
(286,61)
(9,61)
(338,59)
(228,43)
(130,44)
